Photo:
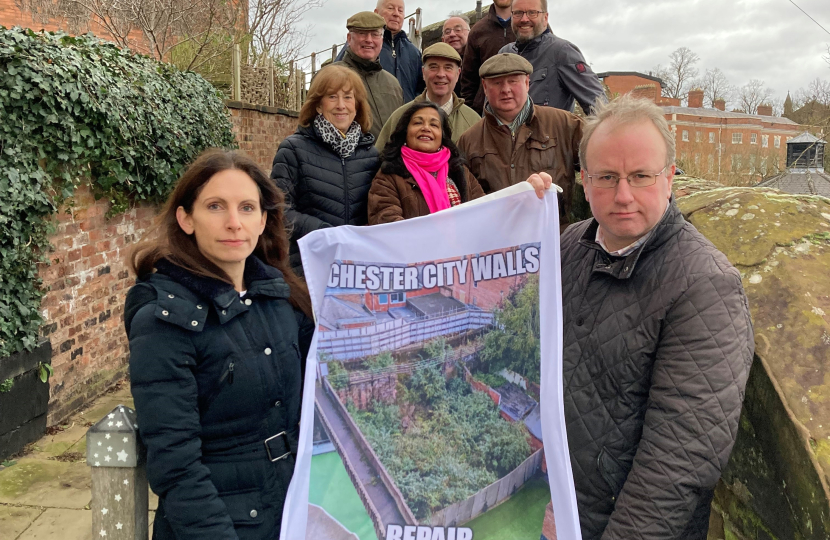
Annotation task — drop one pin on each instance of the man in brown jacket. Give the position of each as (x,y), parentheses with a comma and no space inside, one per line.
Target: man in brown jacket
(657,341)
(517,138)
(485,39)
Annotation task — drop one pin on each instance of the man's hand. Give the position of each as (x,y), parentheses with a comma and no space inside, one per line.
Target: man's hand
(540,182)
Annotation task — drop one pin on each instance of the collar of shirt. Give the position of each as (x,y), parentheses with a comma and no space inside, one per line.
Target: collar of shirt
(446,107)
(503,22)
(520,119)
(631,247)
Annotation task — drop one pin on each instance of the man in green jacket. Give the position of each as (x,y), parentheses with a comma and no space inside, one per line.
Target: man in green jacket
(382,88)
(442,66)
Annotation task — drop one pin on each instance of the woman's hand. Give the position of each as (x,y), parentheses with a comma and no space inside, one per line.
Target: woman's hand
(540,181)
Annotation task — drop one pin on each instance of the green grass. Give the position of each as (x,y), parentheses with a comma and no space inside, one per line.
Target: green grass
(518,518)
(332,490)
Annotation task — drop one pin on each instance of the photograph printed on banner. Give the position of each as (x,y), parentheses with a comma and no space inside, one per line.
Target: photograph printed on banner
(427,421)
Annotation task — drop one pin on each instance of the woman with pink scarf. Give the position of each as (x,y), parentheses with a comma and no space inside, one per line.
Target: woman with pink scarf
(422,170)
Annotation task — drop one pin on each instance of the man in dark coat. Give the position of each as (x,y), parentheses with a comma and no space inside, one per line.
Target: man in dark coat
(657,344)
(486,38)
(365,43)
(560,73)
(398,55)
(456,32)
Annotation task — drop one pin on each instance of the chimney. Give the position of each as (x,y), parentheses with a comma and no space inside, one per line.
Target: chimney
(720,104)
(765,109)
(696,98)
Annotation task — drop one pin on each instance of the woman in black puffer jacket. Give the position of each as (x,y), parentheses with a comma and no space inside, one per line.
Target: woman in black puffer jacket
(219,332)
(326,168)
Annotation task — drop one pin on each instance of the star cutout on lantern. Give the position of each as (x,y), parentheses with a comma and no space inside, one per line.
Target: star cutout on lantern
(109,448)
(126,482)
(103,532)
(118,526)
(110,416)
(99,443)
(122,455)
(126,440)
(119,424)
(107,436)
(97,463)
(110,423)
(118,498)
(107,459)
(104,511)
(95,455)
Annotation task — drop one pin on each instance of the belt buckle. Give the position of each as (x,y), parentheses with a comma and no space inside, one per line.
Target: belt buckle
(268,448)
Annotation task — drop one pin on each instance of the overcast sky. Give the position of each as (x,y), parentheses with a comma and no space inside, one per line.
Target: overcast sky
(770,40)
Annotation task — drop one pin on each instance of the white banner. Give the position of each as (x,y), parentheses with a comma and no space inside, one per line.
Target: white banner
(434,380)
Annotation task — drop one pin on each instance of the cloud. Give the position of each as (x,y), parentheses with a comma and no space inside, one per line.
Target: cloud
(770,40)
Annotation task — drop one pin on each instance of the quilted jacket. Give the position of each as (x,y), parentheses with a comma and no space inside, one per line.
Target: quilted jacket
(322,189)
(657,351)
(214,376)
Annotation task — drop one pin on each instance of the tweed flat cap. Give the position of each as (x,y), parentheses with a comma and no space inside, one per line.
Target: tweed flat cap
(504,64)
(443,50)
(365,20)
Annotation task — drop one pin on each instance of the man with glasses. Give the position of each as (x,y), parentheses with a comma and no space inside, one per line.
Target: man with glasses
(657,340)
(516,138)
(560,73)
(441,67)
(455,33)
(365,40)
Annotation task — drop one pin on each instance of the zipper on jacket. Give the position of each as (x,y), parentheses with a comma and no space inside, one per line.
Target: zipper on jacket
(346,189)
(230,373)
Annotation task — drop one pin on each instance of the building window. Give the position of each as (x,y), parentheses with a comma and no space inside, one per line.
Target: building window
(383,299)
(397,298)
(764,166)
(711,163)
(753,139)
(697,161)
(711,136)
(777,141)
(752,164)
(686,135)
(737,138)
(698,136)
(736,163)
(764,141)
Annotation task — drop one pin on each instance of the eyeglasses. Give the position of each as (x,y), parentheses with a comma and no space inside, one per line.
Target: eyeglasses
(370,33)
(456,29)
(531,14)
(637,180)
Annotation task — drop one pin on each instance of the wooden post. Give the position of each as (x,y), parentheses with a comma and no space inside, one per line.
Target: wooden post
(333,52)
(236,91)
(119,477)
(478,11)
(313,64)
(272,98)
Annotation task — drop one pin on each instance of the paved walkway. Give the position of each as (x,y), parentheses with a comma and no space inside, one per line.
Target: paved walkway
(45,494)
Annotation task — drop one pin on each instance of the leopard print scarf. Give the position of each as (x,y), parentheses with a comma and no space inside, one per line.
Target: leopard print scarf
(344,146)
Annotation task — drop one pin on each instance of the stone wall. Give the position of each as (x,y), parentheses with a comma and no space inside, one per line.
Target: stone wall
(87,278)
(260,130)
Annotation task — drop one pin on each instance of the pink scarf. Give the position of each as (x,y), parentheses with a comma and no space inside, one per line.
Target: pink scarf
(421,165)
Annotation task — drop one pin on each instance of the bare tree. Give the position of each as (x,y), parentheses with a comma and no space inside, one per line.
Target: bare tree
(752,94)
(680,74)
(206,29)
(715,85)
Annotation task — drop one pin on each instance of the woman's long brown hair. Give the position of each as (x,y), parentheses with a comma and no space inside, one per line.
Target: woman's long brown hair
(168,240)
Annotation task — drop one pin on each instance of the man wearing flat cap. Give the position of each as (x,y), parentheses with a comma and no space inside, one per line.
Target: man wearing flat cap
(442,65)
(365,40)
(517,138)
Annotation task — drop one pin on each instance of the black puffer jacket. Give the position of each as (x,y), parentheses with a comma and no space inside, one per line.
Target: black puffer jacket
(213,377)
(321,189)
(657,349)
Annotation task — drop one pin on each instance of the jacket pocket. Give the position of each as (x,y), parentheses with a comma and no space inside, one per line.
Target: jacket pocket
(614,470)
(539,86)
(542,155)
(244,507)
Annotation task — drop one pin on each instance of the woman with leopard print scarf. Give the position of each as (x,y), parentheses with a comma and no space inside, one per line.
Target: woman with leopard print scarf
(326,167)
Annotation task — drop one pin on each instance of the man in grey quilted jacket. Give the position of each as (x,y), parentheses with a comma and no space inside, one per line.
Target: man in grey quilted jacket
(658,340)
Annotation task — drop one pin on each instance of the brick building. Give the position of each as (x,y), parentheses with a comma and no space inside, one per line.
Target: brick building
(732,148)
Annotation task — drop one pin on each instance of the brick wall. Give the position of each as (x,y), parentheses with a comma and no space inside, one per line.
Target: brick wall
(87,279)
(86,282)
(260,129)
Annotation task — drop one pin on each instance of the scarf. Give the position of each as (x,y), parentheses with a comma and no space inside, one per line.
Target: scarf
(344,145)
(520,119)
(421,165)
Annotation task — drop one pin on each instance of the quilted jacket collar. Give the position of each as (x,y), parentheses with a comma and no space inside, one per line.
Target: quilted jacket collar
(623,267)
(183,297)
(366,139)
